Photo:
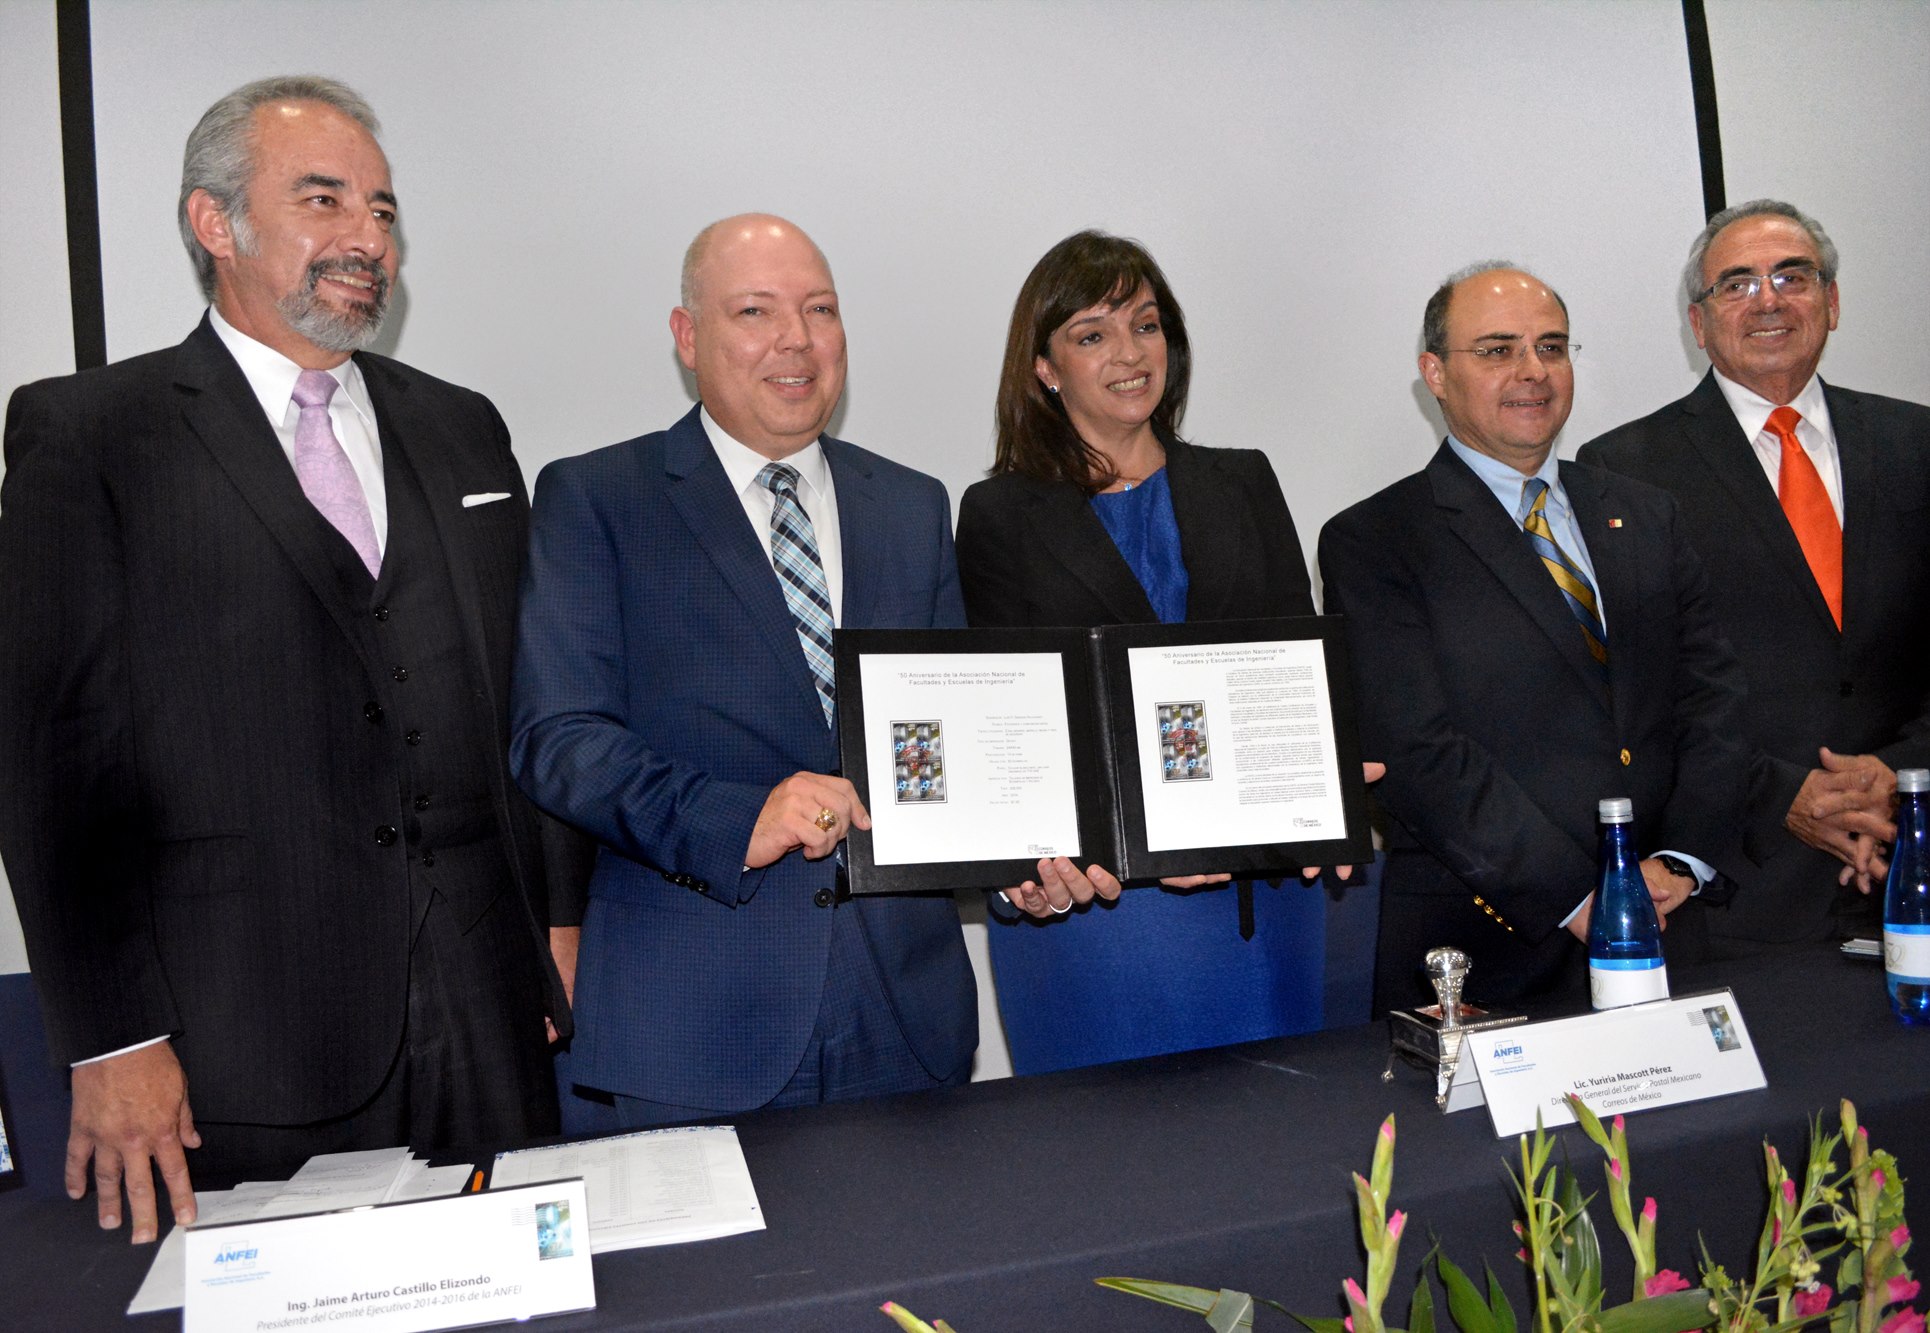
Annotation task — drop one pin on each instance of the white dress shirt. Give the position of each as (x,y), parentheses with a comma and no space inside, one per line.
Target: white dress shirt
(815,493)
(1813,432)
(272,376)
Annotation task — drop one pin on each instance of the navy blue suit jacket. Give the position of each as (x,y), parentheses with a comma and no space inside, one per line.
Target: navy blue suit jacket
(1498,735)
(660,694)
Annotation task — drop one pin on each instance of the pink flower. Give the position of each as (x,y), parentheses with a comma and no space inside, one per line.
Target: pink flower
(1813,1301)
(1615,1167)
(1354,1293)
(1387,1129)
(1619,1122)
(1664,1282)
(1901,1289)
(1522,1255)
(1899,1238)
(1648,1211)
(1903,1321)
(1519,1233)
(1789,1191)
(1399,1221)
(1347,1323)
(1877,1177)
(1775,1232)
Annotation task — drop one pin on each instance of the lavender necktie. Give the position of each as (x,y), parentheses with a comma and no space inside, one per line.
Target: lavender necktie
(327,477)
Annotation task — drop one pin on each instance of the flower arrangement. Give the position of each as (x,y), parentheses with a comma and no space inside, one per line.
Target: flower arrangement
(1853,1216)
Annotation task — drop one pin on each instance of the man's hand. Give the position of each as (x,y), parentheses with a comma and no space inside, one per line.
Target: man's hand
(790,816)
(1060,885)
(1668,889)
(130,1115)
(1844,808)
(563,945)
(1578,923)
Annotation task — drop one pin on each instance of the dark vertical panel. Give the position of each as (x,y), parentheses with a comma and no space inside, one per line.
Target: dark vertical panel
(75,46)
(1708,126)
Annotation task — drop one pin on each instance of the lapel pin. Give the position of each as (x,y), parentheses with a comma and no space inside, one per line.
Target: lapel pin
(1615,523)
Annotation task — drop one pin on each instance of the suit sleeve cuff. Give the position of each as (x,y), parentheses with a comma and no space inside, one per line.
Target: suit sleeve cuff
(109,1055)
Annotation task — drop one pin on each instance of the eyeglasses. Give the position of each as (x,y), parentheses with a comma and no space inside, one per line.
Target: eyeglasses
(1550,351)
(1794,282)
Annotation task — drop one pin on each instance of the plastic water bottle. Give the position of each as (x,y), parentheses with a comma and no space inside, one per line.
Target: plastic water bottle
(1906,900)
(1624,938)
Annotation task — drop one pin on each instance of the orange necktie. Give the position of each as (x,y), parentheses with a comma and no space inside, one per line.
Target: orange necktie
(1811,516)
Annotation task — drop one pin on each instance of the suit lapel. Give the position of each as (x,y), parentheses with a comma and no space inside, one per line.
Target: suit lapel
(421,439)
(861,517)
(223,414)
(1856,456)
(702,495)
(1616,554)
(1062,523)
(1716,436)
(1477,518)
(1201,502)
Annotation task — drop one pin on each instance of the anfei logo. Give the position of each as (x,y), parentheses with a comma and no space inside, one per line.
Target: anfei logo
(236,1256)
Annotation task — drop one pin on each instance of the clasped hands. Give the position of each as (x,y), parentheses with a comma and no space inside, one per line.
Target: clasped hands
(1845,808)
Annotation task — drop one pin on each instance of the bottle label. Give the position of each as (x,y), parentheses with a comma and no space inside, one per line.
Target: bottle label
(1906,954)
(1613,983)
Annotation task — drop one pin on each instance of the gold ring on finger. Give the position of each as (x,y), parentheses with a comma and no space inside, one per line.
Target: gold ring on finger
(827,819)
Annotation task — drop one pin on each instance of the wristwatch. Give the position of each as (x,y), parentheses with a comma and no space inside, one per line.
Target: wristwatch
(1675,865)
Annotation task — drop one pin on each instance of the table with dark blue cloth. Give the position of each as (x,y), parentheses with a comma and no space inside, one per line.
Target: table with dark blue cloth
(995,1205)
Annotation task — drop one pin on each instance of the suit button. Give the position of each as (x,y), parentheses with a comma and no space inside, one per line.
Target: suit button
(822,897)
(399,675)
(1627,758)
(380,613)
(414,737)
(422,802)
(428,859)
(385,836)
(701,887)
(1846,688)
(373,712)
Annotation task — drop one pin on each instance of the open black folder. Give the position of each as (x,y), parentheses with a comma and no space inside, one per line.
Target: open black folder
(1154,750)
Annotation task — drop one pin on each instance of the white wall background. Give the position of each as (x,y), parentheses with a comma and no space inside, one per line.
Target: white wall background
(1304,172)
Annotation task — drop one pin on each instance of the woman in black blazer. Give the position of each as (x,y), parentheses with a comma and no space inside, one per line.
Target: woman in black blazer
(1097,512)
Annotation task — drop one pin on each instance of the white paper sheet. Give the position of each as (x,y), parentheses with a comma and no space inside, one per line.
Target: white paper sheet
(1236,744)
(970,757)
(658,1187)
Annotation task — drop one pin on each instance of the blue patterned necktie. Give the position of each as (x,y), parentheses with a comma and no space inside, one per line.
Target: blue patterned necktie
(794,553)
(1576,590)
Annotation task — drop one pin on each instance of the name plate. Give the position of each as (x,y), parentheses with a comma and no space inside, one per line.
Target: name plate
(1617,1061)
(438,1263)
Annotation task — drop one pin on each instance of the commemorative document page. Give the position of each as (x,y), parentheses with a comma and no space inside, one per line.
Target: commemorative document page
(970,756)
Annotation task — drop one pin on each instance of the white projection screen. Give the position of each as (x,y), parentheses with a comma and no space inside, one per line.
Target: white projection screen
(1304,172)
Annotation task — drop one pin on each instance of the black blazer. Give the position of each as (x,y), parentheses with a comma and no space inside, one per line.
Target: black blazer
(1863,690)
(194,777)
(1499,737)
(1032,553)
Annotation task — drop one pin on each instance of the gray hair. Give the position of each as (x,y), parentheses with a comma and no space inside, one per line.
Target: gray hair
(1434,319)
(220,156)
(1692,281)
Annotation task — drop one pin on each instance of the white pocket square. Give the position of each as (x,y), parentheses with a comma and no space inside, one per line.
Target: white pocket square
(485,498)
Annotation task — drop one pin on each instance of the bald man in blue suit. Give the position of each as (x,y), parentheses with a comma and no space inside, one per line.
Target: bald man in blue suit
(666,701)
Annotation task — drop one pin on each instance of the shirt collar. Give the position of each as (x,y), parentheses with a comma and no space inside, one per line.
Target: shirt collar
(742,463)
(272,376)
(1506,482)
(1752,409)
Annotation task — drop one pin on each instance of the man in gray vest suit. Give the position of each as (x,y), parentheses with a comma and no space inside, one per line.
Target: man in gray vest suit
(259,592)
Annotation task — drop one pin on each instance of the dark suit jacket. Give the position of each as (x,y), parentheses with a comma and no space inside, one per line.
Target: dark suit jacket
(1032,553)
(192,772)
(1499,738)
(660,695)
(1863,690)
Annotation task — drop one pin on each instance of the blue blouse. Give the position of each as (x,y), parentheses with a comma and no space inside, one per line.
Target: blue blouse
(1140,521)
